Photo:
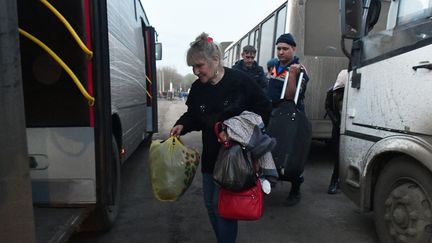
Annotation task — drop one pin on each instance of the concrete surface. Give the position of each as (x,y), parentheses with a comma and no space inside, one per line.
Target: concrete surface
(318,218)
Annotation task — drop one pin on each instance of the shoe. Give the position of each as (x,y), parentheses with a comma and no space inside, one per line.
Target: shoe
(333,187)
(294,194)
(292,199)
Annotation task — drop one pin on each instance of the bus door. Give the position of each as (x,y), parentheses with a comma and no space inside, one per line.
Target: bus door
(151,81)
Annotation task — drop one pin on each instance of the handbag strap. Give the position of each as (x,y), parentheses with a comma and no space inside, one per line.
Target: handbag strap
(219,127)
(251,161)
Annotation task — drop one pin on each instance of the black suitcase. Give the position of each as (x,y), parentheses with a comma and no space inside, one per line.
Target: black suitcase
(293,134)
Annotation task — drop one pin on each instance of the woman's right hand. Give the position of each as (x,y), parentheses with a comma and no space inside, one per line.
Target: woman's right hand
(176,130)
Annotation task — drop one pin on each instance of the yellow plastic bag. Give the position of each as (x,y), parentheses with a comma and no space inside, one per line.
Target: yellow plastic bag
(172,168)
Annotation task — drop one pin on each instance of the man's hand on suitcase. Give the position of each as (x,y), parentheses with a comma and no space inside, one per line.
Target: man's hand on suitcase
(291,88)
(294,70)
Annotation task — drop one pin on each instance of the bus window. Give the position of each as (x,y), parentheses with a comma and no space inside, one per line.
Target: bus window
(227,59)
(251,38)
(413,10)
(280,24)
(243,43)
(267,39)
(397,36)
(322,35)
(234,51)
(382,20)
(255,39)
(231,58)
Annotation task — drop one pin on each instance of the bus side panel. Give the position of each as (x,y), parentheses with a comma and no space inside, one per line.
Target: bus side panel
(64,165)
(322,73)
(127,70)
(391,101)
(323,59)
(353,153)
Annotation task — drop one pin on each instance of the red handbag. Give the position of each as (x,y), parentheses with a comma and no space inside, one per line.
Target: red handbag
(244,205)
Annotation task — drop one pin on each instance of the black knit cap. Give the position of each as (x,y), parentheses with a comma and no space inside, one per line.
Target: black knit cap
(286,38)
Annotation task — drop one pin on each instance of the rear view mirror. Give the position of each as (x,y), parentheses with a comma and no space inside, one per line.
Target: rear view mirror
(351,18)
(158,51)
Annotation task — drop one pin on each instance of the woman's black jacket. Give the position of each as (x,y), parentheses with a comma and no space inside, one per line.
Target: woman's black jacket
(208,104)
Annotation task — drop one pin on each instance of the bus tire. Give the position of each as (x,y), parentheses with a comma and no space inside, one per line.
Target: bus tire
(403,202)
(102,218)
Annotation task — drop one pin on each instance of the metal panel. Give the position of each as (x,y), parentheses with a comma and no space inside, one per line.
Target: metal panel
(391,101)
(65,164)
(127,70)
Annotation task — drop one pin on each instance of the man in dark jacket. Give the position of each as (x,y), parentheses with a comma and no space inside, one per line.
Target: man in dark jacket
(249,66)
(279,68)
(287,63)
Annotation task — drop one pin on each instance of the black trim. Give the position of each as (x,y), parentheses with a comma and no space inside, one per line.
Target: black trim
(150,51)
(389,129)
(102,90)
(135,10)
(362,136)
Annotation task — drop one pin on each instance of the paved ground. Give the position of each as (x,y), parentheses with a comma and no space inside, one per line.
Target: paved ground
(319,218)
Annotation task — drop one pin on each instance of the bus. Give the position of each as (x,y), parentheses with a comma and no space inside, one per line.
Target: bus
(90,95)
(314,25)
(386,132)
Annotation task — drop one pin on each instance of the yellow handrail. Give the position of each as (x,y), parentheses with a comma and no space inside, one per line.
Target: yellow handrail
(77,82)
(148,80)
(69,28)
(148,94)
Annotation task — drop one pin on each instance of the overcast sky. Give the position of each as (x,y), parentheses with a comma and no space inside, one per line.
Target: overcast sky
(179,22)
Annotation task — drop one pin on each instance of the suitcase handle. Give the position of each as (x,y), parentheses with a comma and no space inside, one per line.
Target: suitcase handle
(299,82)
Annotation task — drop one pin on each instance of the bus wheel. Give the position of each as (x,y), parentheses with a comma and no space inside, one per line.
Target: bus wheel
(104,215)
(402,202)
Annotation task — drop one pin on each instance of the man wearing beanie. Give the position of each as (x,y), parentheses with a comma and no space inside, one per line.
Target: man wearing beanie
(287,63)
(249,66)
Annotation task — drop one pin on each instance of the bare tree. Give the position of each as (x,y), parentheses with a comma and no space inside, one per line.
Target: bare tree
(188,79)
(170,75)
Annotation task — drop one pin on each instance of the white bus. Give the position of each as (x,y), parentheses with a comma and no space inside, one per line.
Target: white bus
(76,148)
(314,25)
(386,131)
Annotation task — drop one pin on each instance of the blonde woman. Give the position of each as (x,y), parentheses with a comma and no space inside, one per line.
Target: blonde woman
(219,93)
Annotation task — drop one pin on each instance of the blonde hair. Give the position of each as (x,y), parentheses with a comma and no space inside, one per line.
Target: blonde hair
(203,47)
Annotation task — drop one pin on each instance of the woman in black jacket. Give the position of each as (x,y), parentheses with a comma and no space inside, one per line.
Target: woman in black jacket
(219,93)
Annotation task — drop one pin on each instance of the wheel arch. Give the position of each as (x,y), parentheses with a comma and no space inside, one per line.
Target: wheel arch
(417,149)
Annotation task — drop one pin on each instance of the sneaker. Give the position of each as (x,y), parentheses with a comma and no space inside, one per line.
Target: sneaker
(293,199)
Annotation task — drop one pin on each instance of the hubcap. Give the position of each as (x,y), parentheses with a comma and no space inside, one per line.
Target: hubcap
(408,214)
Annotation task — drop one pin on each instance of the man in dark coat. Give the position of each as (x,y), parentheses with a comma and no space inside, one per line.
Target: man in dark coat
(249,66)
